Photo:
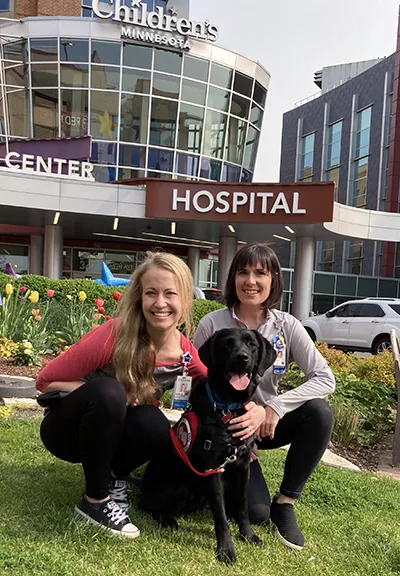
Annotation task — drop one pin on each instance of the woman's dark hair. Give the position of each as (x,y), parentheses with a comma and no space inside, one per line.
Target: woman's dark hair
(250,255)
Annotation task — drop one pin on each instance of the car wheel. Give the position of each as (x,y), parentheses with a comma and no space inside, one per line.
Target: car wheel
(381,344)
(311,334)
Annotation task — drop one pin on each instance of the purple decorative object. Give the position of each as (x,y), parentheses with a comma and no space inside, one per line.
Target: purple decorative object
(10,271)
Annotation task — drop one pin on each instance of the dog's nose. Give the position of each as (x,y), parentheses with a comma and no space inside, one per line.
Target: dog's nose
(242,356)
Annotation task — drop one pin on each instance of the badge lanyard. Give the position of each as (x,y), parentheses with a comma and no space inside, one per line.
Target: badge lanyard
(183,385)
(279,345)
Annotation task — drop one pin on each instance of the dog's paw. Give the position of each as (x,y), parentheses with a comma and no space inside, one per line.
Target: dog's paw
(226,555)
(252,539)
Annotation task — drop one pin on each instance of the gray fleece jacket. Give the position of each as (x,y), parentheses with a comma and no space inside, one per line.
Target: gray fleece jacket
(299,349)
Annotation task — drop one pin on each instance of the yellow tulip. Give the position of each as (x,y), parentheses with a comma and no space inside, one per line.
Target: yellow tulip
(34,296)
(82,296)
(9,289)
(28,351)
(69,297)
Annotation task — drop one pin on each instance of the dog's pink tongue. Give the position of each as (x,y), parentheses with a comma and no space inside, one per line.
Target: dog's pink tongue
(239,382)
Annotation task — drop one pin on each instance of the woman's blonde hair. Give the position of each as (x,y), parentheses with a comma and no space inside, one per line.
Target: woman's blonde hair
(134,354)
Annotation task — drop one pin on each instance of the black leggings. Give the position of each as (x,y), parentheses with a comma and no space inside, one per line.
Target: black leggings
(308,431)
(93,426)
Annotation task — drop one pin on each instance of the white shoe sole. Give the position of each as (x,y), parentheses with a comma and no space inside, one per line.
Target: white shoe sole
(283,540)
(133,534)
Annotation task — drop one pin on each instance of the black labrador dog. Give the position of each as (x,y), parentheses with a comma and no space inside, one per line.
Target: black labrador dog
(235,358)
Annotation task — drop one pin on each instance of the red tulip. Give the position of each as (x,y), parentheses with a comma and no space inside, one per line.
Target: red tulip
(100,310)
(117,296)
(50,293)
(107,318)
(99,302)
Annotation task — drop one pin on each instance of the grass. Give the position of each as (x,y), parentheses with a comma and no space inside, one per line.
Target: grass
(350,520)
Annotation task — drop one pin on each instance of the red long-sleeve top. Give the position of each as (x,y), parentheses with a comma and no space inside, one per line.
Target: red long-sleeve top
(94,352)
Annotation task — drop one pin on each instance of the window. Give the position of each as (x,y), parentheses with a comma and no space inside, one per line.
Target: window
(193,92)
(333,154)
(346,311)
(360,183)
(74,50)
(306,157)
(243,84)
(4,5)
(370,311)
(326,256)
(74,113)
(354,256)
(221,76)
(396,308)
(334,144)
(163,122)
(215,128)
(105,52)
(191,119)
(195,68)
(360,166)
(170,62)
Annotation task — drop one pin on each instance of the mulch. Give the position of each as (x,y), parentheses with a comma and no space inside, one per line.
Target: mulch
(8,368)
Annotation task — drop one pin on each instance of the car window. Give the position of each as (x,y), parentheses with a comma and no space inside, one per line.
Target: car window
(346,310)
(396,308)
(370,311)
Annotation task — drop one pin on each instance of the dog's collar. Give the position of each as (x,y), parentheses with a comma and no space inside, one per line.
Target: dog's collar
(217,403)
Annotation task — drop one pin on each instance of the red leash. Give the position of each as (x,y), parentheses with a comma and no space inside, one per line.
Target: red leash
(179,451)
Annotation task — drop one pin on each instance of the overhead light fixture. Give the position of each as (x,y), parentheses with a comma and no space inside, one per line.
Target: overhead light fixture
(151,240)
(179,238)
(56,218)
(116,222)
(281,237)
(231,228)
(173,228)
(289,229)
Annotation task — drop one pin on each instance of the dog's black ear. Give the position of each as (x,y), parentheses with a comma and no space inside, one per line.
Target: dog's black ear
(266,353)
(207,353)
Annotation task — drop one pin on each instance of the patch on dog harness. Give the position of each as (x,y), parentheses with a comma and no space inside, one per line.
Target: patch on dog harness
(186,430)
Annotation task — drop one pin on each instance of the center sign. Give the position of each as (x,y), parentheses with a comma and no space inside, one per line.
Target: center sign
(237,202)
(156,27)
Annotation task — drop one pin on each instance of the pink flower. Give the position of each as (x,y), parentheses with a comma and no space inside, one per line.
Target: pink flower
(50,293)
(23,289)
(99,302)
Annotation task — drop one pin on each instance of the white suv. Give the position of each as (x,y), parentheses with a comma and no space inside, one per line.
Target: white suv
(357,325)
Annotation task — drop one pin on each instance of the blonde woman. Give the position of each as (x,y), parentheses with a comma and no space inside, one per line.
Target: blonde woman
(105,415)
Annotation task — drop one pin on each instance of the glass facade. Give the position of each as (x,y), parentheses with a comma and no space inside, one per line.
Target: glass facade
(333,155)
(150,111)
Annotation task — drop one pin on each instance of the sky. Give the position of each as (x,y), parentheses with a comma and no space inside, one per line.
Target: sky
(293,39)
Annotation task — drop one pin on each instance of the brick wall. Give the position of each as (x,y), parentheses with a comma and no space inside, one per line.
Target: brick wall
(47,8)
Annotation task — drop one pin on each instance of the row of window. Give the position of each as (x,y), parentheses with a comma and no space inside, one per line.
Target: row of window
(131,119)
(133,81)
(75,54)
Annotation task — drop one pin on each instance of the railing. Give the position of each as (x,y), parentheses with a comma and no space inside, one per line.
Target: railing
(320,93)
(396,355)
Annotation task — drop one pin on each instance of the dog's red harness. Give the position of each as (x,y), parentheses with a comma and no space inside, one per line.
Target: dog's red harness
(183,436)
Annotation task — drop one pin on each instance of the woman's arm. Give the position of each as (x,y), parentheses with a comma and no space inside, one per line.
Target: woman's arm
(91,352)
(320,380)
(64,386)
(204,332)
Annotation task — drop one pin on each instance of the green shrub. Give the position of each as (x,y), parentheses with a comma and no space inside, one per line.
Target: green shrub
(203,307)
(62,288)
(377,369)
(337,359)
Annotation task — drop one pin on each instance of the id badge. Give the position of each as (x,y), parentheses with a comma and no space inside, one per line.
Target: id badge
(181,394)
(280,349)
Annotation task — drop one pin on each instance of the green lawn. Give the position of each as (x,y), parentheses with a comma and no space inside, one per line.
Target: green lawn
(351,522)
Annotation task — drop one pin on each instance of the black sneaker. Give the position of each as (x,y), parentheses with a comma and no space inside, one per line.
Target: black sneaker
(119,493)
(108,515)
(285,523)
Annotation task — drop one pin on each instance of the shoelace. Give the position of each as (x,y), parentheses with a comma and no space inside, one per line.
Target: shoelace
(120,490)
(116,513)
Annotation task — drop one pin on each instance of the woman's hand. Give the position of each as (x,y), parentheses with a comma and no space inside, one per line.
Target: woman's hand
(267,428)
(249,423)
